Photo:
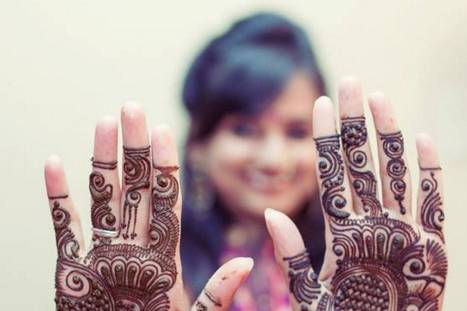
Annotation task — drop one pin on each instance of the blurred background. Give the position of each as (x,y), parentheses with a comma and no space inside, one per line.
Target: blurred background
(65,64)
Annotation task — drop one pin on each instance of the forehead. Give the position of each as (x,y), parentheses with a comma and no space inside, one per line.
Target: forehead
(295,102)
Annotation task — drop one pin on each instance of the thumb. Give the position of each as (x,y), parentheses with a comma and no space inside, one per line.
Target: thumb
(221,287)
(293,258)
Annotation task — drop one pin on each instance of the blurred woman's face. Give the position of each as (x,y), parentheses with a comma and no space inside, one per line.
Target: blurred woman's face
(266,160)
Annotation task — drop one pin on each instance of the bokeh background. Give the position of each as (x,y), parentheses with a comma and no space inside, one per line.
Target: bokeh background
(64,64)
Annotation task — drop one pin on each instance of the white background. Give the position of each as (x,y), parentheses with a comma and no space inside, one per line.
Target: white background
(64,64)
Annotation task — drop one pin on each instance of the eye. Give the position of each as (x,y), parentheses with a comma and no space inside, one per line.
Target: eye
(244,129)
(298,132)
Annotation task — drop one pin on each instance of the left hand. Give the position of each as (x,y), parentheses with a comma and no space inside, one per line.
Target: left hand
(378,256)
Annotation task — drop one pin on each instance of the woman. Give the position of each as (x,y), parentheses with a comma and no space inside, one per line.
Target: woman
(255,140)
(249,94)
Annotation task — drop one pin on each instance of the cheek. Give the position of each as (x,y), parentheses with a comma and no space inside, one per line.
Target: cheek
(226,158)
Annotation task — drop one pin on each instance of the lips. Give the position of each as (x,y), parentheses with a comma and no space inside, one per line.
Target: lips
(267,183)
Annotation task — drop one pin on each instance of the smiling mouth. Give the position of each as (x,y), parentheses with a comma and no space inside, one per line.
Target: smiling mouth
(268,184)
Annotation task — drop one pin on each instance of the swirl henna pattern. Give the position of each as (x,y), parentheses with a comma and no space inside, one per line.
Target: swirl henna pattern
(331,169)
(119,277)
(393,147)
(137,170)
(103,221)
(432,214)
(382,263)
(354,136)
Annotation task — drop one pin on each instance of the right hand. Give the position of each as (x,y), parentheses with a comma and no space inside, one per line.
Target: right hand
(378,256)
(133,262)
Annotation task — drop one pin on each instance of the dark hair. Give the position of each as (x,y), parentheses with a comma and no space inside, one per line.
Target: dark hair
(241,71)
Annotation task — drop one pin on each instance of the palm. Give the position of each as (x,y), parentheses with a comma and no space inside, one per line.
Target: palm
(378,257)
(134,260)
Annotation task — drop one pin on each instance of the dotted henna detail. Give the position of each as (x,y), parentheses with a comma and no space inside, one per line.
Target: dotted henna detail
(432,215)
(331,169)
(354,136)
(136,171)
(393,147)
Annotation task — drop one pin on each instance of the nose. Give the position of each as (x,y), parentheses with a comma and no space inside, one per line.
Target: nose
(272,155)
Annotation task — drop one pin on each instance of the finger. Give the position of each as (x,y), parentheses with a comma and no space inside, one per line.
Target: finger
(166,202)
(395,176)
(136,175)
(335,192)
(104,183)
(68,233)
(293,258)
(430,194)
(221,287)
(357,150)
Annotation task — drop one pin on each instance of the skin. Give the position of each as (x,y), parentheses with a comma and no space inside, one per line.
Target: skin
(418,266)
(423,225)
(267,160)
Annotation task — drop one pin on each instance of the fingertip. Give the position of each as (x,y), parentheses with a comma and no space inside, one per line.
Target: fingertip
(131,109)
(426,150)
(323,117)
(163,146)
(55,177)
(284,233)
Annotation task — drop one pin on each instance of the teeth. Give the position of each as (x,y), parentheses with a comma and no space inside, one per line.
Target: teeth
(262,180)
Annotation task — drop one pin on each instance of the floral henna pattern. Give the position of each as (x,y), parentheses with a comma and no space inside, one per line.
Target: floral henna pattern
(354,136)
(382,263)
(331,170)
(118,277)
(136,171)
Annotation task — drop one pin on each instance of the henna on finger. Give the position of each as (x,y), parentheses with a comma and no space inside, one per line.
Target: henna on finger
(331,169)
(103,221)
(121,276)
(354,137)
(393,148)
(432,215)
(137,171)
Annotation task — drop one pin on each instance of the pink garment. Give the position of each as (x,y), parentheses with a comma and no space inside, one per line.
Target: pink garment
(266,288)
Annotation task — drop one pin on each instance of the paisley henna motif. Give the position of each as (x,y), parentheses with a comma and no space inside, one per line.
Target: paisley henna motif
(331,169)
(164,227)
(136,170)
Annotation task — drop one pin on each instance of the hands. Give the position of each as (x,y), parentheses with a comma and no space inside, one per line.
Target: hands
(378,257)
(134,260)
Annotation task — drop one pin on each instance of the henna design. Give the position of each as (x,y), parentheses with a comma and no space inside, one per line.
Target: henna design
(354,136)
(382,264)
(200,306)
(67,245)
(137,169)
(101,213)
(432,215)
(215,301)
(164,227)
(303,281)
(120,277)
(104,165)
(393,147)
(331,169)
